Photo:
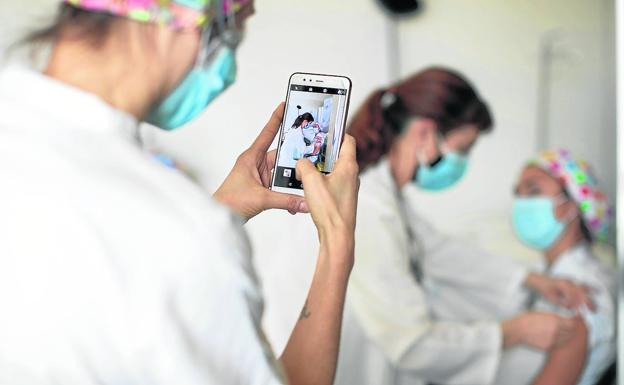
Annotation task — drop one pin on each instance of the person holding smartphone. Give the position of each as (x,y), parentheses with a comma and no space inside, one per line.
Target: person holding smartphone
(420,131)
(117,270)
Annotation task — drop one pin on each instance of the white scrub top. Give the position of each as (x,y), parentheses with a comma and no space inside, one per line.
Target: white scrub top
(114,269)
(519,366)
(394,332)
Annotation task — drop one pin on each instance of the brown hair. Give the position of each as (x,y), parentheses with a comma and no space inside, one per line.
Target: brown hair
(436,93)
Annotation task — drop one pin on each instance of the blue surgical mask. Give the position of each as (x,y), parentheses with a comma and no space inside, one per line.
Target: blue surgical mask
(444,174)
(200,87)
(534,221)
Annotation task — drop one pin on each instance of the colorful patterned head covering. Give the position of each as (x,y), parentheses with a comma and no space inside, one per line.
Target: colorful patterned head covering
(581,185)
(178,14)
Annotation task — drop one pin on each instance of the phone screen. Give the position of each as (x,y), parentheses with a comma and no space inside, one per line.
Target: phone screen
(312,129)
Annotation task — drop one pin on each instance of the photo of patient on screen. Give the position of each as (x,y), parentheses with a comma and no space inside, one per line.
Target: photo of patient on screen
(314,137)
(312,130)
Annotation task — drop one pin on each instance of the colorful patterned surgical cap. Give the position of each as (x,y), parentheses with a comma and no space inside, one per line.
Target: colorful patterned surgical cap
(580,183)
(178,14)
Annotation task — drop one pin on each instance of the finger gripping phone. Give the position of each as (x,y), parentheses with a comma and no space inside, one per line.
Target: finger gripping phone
(313,127)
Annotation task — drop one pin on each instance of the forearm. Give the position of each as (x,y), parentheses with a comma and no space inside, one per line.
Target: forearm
(311,354)
(565,363)
(534,281)
(510,330)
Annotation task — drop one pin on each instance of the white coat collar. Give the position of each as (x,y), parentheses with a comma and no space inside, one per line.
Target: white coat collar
(379,178)
(379,189)
(573,255)
(52,100)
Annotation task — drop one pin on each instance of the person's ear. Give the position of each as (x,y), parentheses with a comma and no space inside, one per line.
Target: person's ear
(422,129)
(425,138)
(567,210)
(177,52)
(430,126)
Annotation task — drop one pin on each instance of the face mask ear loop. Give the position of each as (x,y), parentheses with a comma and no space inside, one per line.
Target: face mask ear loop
(231,34)
(209,39)
(443,148)
(440,146)
(205,50)
(231,16)
(215,35)
(422,158)
(558,201)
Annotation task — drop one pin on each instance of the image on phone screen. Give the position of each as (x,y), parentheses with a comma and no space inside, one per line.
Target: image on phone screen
(312,130)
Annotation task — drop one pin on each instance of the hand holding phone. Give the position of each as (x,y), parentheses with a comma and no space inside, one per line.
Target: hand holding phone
(245,190)
(332,199)
(313,127)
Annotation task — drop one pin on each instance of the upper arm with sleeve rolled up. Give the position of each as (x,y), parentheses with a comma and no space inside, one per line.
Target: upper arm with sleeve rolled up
(601,323)
(392,310)
(598,327)
(565,363)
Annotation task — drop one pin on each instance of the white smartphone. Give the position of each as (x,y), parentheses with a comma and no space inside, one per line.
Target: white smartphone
(313,128)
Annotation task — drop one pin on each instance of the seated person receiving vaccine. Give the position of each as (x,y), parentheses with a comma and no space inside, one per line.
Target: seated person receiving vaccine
(560,211)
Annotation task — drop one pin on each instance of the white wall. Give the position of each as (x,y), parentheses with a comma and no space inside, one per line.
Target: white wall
(497,45)
(19,18)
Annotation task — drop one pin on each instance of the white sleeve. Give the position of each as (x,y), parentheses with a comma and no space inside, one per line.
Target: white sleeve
(493,283)
(217,311)
(391,307)
(601,323)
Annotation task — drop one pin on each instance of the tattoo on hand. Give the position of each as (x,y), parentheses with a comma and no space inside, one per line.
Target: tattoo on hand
(305,312)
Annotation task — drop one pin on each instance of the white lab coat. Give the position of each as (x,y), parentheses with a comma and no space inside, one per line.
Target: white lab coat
(292,148)
(114,269)
(520,365)
(397,331)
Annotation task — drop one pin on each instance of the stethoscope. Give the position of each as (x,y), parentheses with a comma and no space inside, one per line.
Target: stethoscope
(415,247)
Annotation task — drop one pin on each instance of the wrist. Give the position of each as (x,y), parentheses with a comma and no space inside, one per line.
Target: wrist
(534,281)
(512,331)
(227,200)
(337,249)
(222,198)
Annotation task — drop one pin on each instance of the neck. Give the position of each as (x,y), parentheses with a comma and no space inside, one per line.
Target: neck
(395,169)
(570,238)
(118,79)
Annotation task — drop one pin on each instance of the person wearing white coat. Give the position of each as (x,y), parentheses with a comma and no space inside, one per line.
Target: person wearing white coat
(420,130)
(117,270)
